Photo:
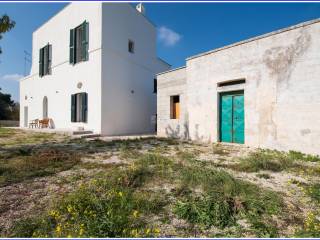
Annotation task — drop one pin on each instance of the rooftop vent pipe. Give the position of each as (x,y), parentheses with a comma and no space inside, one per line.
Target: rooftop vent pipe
(140,8)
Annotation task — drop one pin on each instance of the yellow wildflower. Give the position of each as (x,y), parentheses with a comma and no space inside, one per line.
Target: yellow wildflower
(58,229)
(134,233)
(69,208)
(135,213)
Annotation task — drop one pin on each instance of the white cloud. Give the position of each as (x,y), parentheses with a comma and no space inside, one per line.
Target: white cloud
(168,36)
(12,77)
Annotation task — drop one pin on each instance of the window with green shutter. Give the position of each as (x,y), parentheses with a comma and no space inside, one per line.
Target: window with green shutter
(41,62)
(71,59)
(73,108)
(45,59)
(79,43)
(79,107)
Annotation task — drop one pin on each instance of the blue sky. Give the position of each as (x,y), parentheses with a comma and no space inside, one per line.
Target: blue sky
(184,29)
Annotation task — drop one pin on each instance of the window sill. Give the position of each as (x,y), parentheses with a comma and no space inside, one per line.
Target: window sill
(73,64)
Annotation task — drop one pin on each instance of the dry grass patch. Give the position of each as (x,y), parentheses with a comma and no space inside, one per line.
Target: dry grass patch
(33,163)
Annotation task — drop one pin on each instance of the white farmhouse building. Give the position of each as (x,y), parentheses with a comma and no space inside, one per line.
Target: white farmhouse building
(94,68)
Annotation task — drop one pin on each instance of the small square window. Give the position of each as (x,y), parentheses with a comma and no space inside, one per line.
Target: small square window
(175,107)
(131,46)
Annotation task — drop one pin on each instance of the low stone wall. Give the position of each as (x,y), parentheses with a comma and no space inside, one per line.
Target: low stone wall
(9,123)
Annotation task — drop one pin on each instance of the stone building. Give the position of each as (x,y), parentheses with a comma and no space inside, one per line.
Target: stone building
(263,92)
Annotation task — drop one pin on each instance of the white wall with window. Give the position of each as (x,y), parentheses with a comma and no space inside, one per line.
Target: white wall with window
(65,77)
(129,66)
(97,72)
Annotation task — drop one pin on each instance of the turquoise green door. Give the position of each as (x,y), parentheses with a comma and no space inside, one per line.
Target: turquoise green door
(226,118)
(232,117)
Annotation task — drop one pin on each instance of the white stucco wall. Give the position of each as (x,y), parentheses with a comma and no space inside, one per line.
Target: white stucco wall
(170,84)
(109,76)
(128,101)
(281,91)
(63,81)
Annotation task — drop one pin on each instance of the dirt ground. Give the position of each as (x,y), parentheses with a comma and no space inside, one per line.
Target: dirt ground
(32,195)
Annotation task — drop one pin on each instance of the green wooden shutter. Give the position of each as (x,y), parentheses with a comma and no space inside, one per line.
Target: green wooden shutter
(72,46)
(73,108)
(45,60)
(41,62)
(49,58)
(85,41)
(84,107)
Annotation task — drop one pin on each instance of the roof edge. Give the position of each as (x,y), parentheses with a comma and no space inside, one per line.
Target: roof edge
(54,15)
(303,24)
(171,70)
(164,61)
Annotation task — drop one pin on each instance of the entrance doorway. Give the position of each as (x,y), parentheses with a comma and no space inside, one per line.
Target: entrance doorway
(232,117)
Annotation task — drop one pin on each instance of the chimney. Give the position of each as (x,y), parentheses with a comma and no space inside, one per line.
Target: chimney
(140,8)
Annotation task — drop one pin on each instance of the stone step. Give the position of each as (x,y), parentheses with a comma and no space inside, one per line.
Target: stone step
(81,132)
(93,135)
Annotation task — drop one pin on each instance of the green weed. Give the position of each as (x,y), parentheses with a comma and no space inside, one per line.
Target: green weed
(303,157)
(224,199)
(265,160)
(311,227)
(314,192)
(100,208)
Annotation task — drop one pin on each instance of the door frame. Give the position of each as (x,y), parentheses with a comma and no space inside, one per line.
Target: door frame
(220,94)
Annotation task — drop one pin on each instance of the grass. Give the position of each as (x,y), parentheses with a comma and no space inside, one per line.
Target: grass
(113,199)
(265,160)
(158,182)
(274,161)
(7,132)
(303,157)
(105,207)
(314,192)
(27,163)
(311,226)
(12,137)
(225,199)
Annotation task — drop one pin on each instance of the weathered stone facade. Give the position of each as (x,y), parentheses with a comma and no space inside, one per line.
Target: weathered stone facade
(281,90)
